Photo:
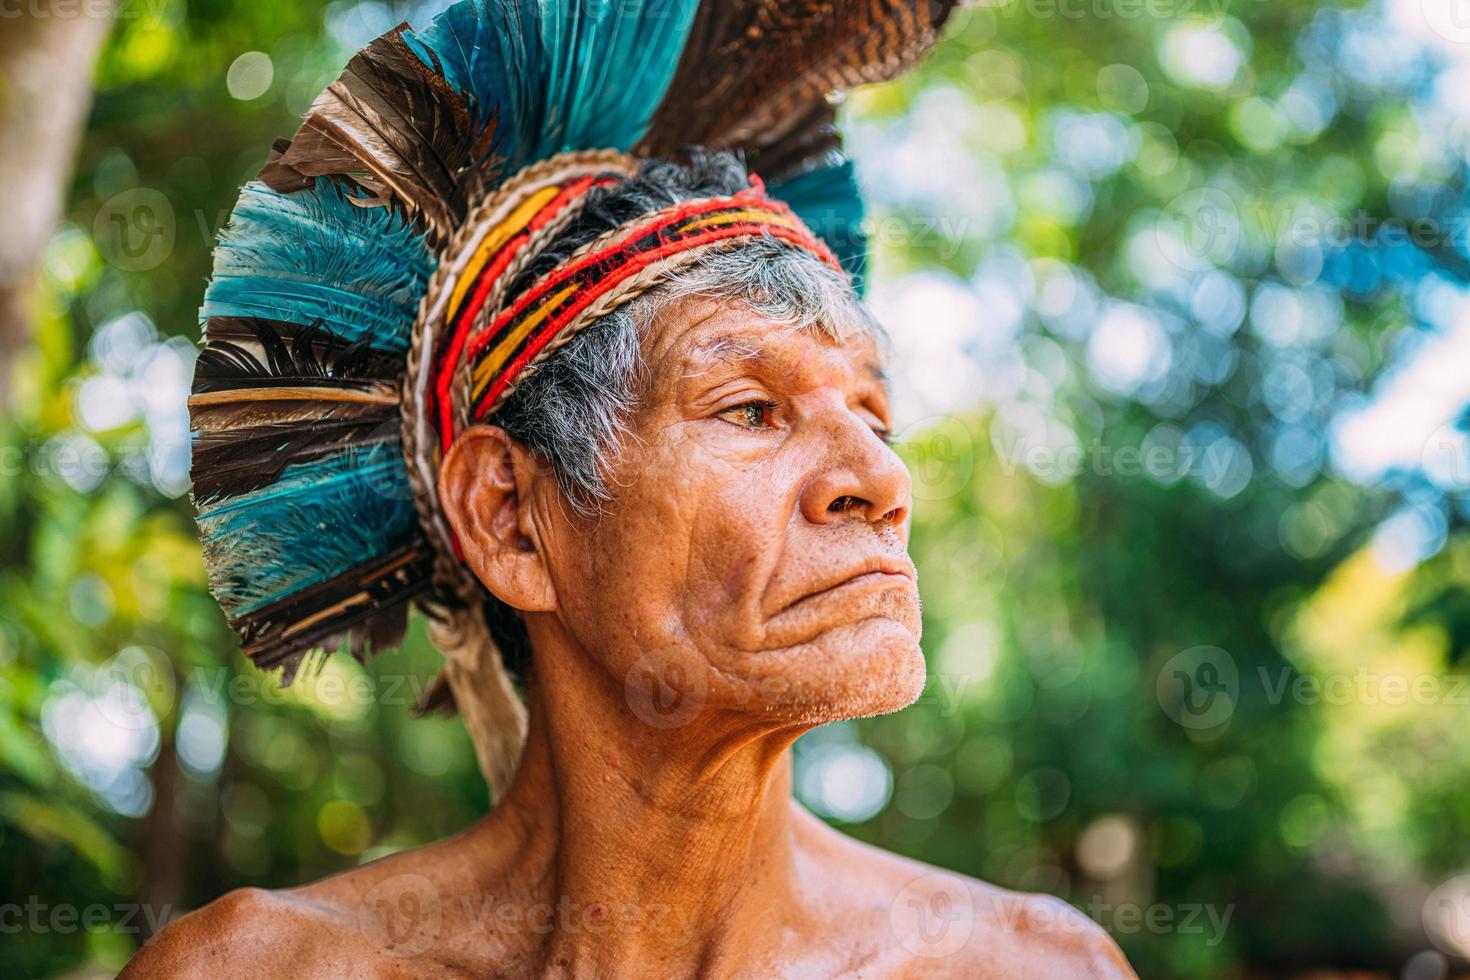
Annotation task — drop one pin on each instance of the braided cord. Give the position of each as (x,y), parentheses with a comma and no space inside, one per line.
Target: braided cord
(421,443)
(646,280)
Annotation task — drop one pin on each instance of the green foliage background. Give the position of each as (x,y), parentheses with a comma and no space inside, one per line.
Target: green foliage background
(1044,755)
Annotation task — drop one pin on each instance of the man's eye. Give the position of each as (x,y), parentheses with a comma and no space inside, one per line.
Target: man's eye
(754,415)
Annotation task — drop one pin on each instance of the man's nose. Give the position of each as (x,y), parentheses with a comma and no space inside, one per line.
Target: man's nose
(859,476)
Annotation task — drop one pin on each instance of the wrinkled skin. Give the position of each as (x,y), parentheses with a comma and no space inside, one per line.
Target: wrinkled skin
(748,582)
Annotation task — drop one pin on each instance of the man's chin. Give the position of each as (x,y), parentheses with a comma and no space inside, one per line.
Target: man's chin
(883,671)
(871,667)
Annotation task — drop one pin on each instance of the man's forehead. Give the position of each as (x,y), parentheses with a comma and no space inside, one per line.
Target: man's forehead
(732,334)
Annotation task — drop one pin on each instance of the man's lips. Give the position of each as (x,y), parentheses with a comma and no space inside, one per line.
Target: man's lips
(874,573)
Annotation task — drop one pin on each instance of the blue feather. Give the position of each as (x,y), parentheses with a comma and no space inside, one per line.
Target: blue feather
(489,51)
(611,63)
(559,74)
(314,257)
(319,520)
(828,201)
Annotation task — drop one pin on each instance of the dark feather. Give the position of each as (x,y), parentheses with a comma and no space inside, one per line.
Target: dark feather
(755,74)
(293,355)
(807,137)
(393,126)
(248,414)
(367,608)
(237,461)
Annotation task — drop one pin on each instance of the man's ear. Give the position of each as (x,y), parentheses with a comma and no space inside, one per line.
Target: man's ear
(484,481)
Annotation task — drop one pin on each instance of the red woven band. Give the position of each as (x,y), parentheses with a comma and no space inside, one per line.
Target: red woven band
(551,309)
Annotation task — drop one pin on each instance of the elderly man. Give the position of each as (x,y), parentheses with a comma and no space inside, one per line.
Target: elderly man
(713,563)
(621,426)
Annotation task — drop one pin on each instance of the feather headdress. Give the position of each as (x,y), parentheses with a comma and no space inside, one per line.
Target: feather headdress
(358,314)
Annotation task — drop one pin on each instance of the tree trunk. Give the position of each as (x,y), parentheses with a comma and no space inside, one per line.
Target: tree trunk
(47,50)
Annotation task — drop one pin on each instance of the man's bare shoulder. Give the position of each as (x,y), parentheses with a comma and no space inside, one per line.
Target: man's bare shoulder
(949,924)
(376,918)
(251,929)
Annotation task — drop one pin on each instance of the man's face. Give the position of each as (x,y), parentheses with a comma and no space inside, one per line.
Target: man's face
(756,546)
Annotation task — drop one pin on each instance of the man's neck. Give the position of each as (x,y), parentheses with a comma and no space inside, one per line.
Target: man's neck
(664,850)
